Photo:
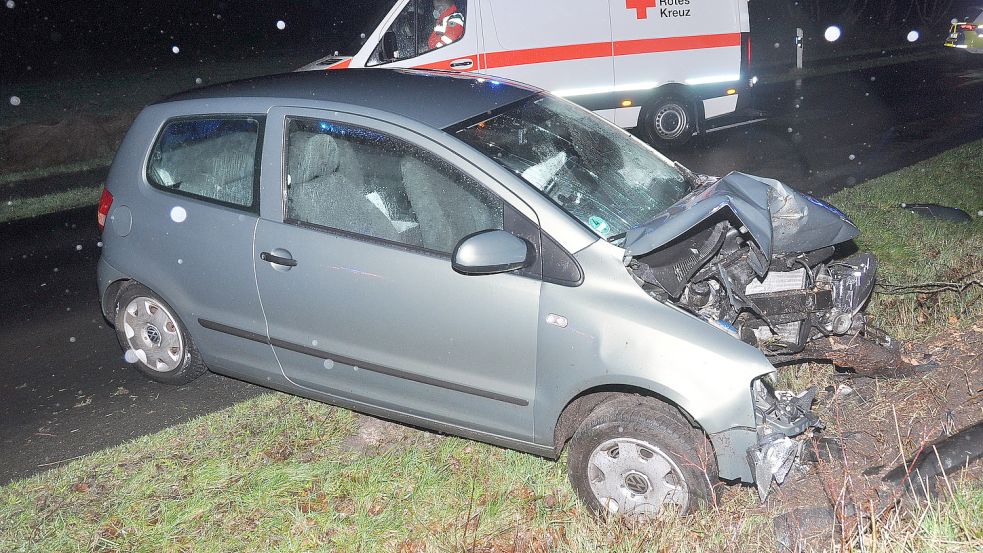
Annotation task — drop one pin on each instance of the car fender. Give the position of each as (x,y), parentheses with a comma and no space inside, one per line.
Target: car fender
(619,337)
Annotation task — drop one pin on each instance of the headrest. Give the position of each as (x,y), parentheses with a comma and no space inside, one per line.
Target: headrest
(311,156)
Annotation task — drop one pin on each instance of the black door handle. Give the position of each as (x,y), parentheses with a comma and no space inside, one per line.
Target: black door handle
(285,261)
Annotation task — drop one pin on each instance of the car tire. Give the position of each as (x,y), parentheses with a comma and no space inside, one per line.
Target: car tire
(155,340)
(634,456)
(668,121)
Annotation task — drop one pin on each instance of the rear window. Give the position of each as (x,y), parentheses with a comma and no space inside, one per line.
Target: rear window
(212,158)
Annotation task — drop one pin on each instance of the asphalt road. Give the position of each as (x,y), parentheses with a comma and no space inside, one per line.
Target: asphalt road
(64,391)
(64,388)
(835,131)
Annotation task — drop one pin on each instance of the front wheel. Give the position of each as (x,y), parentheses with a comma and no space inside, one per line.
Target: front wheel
(154,338)
(635,457)
(668,121)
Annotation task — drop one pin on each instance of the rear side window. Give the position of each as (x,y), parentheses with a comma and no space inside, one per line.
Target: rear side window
(211,158)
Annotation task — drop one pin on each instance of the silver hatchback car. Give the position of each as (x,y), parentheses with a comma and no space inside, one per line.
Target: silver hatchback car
(479,258)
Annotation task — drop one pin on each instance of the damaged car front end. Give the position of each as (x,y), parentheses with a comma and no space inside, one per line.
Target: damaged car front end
(754,257)
(748,256)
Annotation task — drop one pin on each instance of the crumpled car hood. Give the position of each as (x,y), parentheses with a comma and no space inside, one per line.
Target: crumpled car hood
(779,219)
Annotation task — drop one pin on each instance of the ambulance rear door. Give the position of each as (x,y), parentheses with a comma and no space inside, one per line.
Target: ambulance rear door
(425,34)
(693,42)
(558,45)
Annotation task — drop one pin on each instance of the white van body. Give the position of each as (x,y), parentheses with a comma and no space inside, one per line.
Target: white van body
(625,59)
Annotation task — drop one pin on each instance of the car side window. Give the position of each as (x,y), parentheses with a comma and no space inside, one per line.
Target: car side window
(361,181)
(422,26)
(211,158)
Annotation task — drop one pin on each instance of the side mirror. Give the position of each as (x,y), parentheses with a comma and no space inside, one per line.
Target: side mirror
(490,252)
(390,46)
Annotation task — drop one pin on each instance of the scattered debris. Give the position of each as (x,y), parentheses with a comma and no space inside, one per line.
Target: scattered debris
(943,457)
(936,211)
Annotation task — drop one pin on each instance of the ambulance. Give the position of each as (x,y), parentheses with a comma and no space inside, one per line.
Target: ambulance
(670,67)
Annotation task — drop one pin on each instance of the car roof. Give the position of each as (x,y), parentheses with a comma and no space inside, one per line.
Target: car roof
(435,98)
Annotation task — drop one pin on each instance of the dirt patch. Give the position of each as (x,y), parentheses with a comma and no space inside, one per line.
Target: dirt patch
(76,138)
(877,423)
(380,436)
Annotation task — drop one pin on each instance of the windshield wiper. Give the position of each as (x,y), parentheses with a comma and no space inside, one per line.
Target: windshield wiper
(615,237)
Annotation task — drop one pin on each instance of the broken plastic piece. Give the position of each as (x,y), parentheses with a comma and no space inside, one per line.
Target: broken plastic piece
(773,461)
(782,415)
(936,211)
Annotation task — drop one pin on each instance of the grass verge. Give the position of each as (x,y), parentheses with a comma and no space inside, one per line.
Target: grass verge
(282,473)
(24,208)
(63,169)
(938,260)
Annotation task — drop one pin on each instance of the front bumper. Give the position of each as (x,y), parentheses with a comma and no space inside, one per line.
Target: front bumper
(781,416)
(766,453)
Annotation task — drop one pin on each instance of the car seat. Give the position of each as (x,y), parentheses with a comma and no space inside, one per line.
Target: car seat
(326,188)
(445,210)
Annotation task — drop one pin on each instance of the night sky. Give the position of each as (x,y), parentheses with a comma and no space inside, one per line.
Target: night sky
(39,38)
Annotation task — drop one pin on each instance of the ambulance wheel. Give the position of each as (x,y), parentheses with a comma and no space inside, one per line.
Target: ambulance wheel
(668,121)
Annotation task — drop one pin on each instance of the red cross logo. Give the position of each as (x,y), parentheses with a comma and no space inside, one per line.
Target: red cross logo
(640,6)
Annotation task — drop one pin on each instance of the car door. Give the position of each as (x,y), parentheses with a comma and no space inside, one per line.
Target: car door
(355,278)
(427,34)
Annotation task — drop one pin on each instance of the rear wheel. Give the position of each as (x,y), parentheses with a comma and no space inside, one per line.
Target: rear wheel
(636,456)
(154,338)
(669,121)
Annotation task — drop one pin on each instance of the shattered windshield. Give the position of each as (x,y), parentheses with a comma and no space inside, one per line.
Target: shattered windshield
(601,175)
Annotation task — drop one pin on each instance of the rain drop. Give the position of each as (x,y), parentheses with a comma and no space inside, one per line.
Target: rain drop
(10,202)
(15,100)
(328,364)
(98,244)
(72,339)
(913,36)
(175,49)
(281,25)
(180,261)
(852,157)
(314,342)
(198,80)
(178,214)
(130,356)
(78,247)
(10,4)
(832,33)
(873,78)
(790,129)
(979,213)
(777,45)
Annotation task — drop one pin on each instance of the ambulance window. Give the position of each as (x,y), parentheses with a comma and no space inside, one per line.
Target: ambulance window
(422,26)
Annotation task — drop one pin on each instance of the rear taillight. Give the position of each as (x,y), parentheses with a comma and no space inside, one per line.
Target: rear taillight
(105,202)
(749,51)
(967,27)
